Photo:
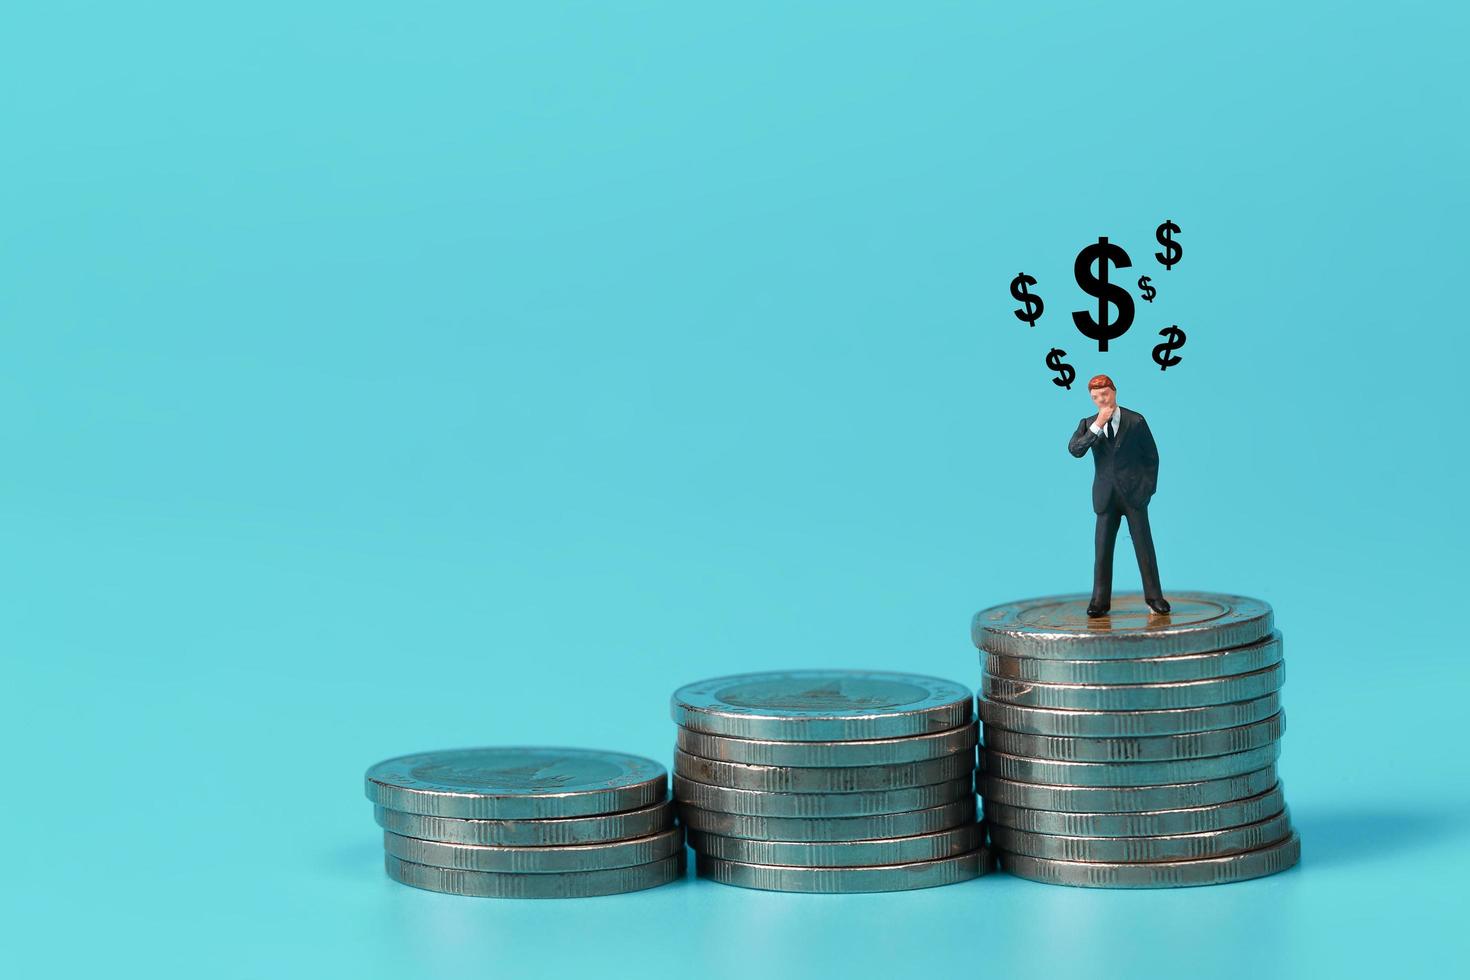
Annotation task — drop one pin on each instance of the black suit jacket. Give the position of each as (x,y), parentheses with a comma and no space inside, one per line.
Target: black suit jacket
(1127,464)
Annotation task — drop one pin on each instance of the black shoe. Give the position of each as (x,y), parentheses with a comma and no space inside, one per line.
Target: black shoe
(1159,605)
(1094,610)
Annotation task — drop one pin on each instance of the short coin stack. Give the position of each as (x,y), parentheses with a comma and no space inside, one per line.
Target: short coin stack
(829,780)
(1134,750)
(526,822)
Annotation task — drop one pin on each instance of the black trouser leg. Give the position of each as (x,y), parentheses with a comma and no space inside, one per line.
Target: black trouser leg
(1143,549)
(1102,562)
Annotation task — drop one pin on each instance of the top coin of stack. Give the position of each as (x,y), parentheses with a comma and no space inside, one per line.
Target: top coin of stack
(1135,749)
(526,822)
(829,780)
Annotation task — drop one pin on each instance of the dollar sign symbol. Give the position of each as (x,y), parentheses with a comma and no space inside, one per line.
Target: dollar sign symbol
(1103,252)
(1173,340)
(1054,362)
(1018,290)
(1149,292)
(1173,251)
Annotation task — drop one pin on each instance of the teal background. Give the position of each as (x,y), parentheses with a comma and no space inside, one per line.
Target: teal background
(380,377)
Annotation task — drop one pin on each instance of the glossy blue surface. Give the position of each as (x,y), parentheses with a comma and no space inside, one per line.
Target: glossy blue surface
(382,377)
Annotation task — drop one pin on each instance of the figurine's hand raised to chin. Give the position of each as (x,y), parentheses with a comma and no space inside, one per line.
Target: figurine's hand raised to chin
(1104,413)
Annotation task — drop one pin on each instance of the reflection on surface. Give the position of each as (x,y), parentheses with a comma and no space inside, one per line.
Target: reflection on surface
(1371,834)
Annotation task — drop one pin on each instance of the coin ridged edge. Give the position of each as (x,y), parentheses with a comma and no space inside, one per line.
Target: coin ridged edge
(536,860)
(841,854)
(831,829)
(847,779)
(835,881)
(757,803)
(1169,695)
(829,755)
(1158,874)
(1129,850)
(1136,748)
(471,807)
(866,728)
(1128,724)
(559,832)
(1145,823)
(1125,774)
(1127,799)
(579,884)
(1145,670)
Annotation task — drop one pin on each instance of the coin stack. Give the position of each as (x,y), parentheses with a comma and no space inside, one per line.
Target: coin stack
(1134,750)
(829,781)
(526,822)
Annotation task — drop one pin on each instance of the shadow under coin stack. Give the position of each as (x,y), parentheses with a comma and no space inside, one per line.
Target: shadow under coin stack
(526,822)
(1134,750)
(829,781)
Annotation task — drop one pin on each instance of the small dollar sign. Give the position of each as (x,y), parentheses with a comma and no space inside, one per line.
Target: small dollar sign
(1173,340)
(1149,292)
(1018,289)
(1173,251)
(1102,252)
(1054,362)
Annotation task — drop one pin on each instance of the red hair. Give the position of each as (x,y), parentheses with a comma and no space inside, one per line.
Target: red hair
(1101,381)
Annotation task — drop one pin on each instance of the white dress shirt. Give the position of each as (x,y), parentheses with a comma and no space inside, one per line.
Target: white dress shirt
(1111,427)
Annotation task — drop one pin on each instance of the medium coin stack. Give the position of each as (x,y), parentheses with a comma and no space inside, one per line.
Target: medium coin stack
(526,822)
(1134,750)
(829,781)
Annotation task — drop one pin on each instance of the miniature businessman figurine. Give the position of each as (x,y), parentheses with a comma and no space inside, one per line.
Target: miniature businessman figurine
(1126,465)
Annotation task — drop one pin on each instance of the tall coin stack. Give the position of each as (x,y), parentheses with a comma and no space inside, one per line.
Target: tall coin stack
(526,822)
(1134,750)
(829,781)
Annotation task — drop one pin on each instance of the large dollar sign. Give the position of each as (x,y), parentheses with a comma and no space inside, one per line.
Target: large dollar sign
(1173,340)
(1173,251)
(1054,361)
(1018,289)
(1100,330)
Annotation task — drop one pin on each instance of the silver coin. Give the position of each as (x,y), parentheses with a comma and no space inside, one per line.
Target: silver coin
(756,803)
(536,860)
(1151,670)
(848,779)
(1159,874)
(822,705)
(1137,697)
(800,755)
(1178,847)
(516,782)
(530,833)
(879,825)
(1149,823)
(835,881)
(1058,627)
(846,854)
(1025,770)
(1127,724)
(1126,799)
(573,884)
(1196,745)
